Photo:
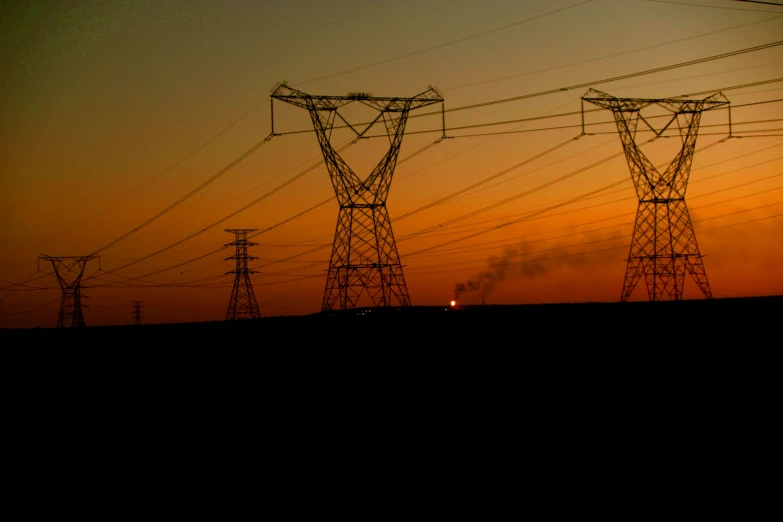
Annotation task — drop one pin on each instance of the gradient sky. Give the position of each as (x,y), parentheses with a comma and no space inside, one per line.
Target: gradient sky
(112,111)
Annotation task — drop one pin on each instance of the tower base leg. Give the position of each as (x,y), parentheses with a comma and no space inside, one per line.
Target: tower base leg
(364,259)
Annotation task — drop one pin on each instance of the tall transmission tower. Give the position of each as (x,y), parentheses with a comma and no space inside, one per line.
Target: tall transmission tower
(69,271)
(242,304)
(663,247)
(364,253)
(137,306)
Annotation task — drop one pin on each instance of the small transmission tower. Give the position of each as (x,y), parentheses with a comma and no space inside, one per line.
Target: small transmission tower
(663,247)
(137,306)
(364,253)
(242,304)
(69,271)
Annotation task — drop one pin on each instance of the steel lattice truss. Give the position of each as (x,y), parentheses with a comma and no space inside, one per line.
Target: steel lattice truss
(69,271)
(243,304)
(663,247)
(364,254)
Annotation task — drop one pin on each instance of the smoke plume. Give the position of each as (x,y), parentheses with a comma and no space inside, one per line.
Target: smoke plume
(522,261)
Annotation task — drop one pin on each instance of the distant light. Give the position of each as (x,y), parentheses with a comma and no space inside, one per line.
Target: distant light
(454,303)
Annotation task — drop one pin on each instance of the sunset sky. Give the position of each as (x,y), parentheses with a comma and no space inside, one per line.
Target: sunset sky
(111,111)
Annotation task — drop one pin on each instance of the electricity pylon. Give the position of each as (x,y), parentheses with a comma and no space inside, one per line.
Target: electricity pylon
(663,247)
(137,306)
(69,271)
(242,304)
(364,253)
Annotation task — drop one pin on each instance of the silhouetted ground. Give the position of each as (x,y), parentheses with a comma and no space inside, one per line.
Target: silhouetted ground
(569,366)
(751,321)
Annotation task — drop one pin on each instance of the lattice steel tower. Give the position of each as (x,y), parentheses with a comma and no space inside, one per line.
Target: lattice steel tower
(663,247)
(137,306)
(242,304)
(364,254)
(69,271)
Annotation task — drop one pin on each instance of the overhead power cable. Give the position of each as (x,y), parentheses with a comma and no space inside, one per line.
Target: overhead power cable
(221,220)
(440,46)
(485,180)
(688,63)
(103,248)
(558,115)
(760,2)
(320,247)
(614,55)
(188,195)
(245,207)
(525,193)
(713,6)
(489,245)
(147,183)
(478,263)
(191,284)
(628,180)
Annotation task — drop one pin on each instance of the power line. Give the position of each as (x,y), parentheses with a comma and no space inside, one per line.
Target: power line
(486,180)
(320,247)
(414,270)
(525,193)
(506,242)
(722,190)
(711,6)
(580,209)
(241,209)
(558,115)
(628,180)
(591,60)
(188,195)
(146,184)
(612,79)
(189,284)
(441,266)
(760,2)
(254,202)
(428,49)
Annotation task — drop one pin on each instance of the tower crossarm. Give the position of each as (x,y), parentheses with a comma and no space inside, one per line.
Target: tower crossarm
(301,99)
(393,111)
(607,101)
(69,270)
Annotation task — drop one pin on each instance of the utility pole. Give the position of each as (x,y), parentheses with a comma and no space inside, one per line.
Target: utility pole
(242,304)
(69,271)
(663,246)
(364,253)
(137,306)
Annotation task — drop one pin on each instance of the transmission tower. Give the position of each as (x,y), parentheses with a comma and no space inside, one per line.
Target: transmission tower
(137,306)
(242,304)
(663,247)
(364,253)
(69,271)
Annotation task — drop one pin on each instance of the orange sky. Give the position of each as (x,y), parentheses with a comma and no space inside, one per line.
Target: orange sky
(112,112)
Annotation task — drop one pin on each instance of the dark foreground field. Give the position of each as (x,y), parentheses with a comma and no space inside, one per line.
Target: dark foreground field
(559,362)
(753,321)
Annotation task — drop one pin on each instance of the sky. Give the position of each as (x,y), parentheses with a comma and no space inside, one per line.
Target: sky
(111,112)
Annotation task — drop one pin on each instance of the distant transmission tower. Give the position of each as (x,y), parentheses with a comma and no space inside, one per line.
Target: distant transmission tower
(663,247)
(69,271)
(242,304)
(364,253)
(137,306)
